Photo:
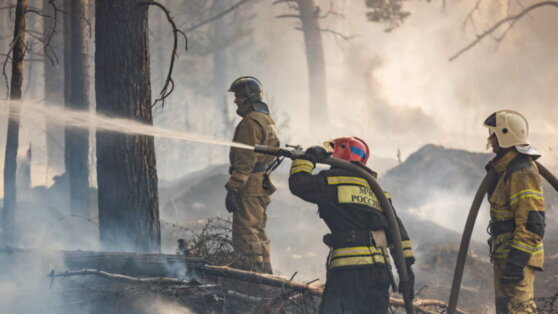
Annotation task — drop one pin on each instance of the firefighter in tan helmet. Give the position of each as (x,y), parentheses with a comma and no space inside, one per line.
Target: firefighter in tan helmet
(249,187)
(516,211)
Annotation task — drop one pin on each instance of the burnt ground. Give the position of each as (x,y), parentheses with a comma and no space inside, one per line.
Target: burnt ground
(432,191)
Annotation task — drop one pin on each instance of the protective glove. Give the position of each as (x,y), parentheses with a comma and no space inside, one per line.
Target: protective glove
(512,274)
(409,284)
(230,201)
(315,154)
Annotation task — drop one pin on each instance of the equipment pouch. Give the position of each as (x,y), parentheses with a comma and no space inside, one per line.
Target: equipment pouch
(267,185)
(379,237)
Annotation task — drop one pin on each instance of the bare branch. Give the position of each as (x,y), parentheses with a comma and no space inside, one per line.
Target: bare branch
(292,4)
(284,16)
(46,43)
(509,19)
(38,13)
(470,16)
(118,277)
(26,60)
(330,12)
(169,83)
(282,1)
(215,17)
(336,33)
(37,37)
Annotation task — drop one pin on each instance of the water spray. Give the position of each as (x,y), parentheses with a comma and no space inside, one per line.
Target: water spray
(85,120)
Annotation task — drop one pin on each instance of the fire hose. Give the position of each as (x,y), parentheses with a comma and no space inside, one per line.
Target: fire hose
(397,250)
(488,180)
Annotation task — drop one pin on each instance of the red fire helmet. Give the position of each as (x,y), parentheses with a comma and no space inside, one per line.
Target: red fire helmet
(349,148)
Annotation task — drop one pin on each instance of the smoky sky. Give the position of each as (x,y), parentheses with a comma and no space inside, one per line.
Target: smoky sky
(402,85)
(396,90)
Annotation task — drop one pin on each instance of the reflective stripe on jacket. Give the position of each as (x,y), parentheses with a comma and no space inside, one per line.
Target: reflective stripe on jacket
(356,256)
(517,211)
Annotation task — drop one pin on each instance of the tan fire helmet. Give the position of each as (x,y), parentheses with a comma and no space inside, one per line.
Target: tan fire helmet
(511,129)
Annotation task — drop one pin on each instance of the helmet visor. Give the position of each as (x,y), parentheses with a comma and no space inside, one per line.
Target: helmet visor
(491,120)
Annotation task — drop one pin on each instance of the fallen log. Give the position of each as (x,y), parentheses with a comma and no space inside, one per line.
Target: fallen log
(263,279)
(275,281)
(134,264)
(271,305)
(122,278)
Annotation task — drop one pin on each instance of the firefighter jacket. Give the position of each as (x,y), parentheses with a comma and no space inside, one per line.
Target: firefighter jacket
(351,211)
(516,211)
(247,168)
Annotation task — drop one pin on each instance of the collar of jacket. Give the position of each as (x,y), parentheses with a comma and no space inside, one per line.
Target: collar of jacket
(500,163)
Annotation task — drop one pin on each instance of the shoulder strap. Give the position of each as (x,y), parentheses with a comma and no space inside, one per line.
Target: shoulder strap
(261,124)
(519,163)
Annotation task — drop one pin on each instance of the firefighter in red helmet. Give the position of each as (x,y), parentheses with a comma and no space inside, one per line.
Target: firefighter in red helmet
(358,267)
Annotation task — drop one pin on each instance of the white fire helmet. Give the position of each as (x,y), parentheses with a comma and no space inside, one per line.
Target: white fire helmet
(511,129)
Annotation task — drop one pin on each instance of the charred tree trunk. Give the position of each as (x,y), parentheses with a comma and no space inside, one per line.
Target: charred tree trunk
(54,87)
(77,140)
(5,38)
(126,172)
(316,61)
(12,143)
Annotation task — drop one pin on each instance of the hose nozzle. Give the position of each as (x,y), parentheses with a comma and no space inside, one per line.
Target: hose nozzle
(278,151)
(267,150)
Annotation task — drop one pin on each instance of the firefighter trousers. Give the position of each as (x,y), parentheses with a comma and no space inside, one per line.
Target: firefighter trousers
(363,290)
(515,298)
(250,241)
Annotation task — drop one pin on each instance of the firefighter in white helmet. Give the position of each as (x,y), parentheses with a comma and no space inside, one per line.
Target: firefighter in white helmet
(516,211)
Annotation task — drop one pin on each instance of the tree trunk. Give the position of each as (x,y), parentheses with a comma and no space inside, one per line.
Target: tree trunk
(5,38)
(126,170)
(316,62)
(54,87)
(77,140)
(219,57)
(10,160)
(23,174)
(67,5)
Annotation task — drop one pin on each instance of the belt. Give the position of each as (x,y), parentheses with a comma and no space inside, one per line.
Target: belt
(258,167)
(349,239)
(498,227)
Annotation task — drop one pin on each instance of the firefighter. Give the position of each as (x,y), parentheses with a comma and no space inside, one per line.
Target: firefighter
(358,267)
(516,212)
(249,187)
